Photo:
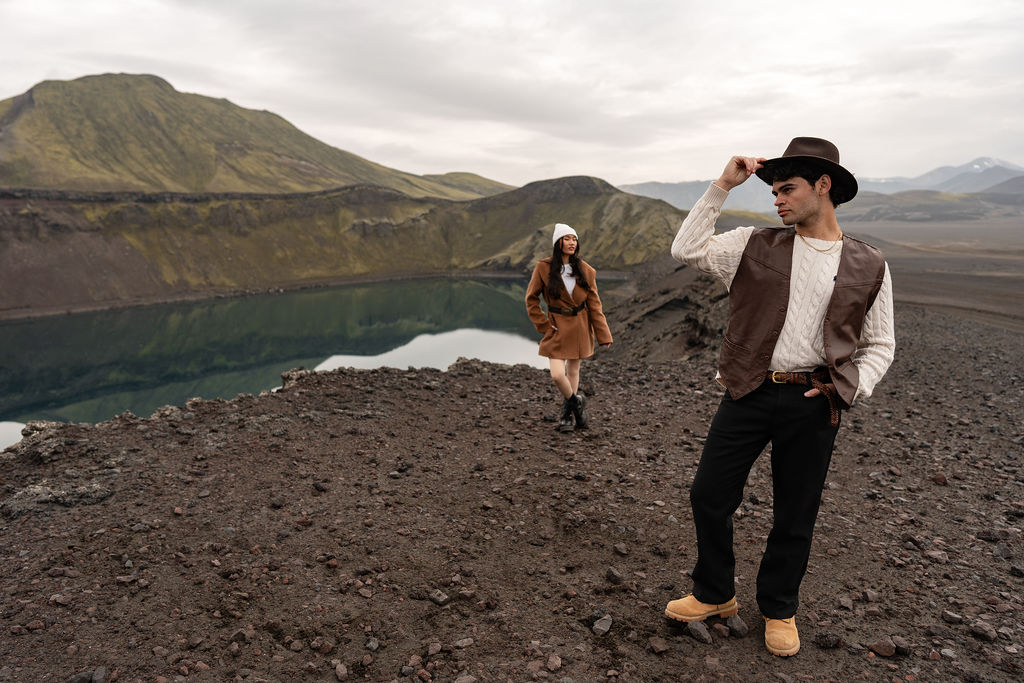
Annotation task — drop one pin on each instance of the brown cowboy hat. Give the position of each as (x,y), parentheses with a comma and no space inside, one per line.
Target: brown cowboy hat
(822,154)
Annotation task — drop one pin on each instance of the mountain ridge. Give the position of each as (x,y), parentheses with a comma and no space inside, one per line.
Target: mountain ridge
(979,176)
(61,252)
(131,132)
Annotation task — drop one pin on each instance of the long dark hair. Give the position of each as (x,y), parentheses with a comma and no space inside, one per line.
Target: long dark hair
(555,283)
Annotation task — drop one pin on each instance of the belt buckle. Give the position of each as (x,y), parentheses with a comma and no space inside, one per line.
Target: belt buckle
(777,381)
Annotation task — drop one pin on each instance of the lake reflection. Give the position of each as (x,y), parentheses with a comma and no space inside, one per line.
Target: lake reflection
(441,350)
(91,367)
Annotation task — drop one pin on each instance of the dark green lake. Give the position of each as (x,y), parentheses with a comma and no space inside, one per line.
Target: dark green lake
(90,367)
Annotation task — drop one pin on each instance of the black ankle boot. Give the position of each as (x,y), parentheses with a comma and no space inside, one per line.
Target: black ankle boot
(576,404)
(565,425)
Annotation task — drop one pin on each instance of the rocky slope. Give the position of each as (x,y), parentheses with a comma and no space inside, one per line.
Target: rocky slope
(63,251)
(401,525)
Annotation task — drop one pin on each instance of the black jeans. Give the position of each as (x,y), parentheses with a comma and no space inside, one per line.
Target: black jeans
(802,439)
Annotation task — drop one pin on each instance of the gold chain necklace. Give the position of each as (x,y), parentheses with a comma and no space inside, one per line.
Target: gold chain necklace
(823,251)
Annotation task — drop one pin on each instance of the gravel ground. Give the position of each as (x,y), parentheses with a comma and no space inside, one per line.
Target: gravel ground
(419,525)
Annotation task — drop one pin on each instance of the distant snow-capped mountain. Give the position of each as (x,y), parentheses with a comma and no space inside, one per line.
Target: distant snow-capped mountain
(979,175)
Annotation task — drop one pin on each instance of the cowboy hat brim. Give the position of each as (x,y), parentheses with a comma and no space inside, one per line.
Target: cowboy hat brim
(812,151)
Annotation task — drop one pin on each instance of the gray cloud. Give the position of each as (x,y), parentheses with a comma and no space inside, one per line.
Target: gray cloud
(517,91)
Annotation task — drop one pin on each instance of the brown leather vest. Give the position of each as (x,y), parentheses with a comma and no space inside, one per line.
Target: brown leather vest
(759,296)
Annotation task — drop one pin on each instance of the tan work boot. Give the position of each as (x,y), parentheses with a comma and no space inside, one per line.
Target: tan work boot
(689,608)
(780,636)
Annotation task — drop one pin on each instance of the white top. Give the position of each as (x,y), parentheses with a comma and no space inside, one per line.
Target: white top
(568,279)
(800,345)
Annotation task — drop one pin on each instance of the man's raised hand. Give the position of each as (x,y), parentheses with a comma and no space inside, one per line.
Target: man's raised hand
(738,170)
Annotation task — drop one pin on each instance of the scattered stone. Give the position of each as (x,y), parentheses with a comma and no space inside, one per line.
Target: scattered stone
(614,576)
(439,597)
(97,675)
(554,663)
(951,617)
(982,630)
(883,647)
(657,645)
(323,644)
(827,640)
(903,647)
(341,672)
(602,625)
(698,630)
(463,644)
(737,627)
(720,629)
(621,549)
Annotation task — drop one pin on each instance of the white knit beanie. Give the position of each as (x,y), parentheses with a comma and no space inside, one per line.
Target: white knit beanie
(561,230)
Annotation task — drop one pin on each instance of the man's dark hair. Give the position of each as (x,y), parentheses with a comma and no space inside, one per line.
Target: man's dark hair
(791,168)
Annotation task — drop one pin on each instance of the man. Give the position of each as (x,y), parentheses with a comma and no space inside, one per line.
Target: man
(810,332)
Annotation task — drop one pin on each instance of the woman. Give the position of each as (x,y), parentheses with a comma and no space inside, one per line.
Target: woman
(573,320)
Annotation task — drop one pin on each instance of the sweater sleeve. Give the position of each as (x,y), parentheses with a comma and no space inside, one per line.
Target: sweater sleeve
(696,243)
(877,344)
(533,293)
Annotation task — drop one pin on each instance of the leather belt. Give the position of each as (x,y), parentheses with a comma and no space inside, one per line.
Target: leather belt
(818,379)
(567,311)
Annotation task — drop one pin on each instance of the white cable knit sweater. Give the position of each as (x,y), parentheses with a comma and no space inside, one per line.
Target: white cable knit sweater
(800,346)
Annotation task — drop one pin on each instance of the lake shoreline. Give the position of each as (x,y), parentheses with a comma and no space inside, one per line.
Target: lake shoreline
(14,315)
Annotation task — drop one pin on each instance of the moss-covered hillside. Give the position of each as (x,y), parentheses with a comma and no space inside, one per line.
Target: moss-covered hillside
(117,132)
(71,251)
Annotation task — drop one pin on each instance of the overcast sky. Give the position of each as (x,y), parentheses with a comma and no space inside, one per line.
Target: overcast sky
(628,91)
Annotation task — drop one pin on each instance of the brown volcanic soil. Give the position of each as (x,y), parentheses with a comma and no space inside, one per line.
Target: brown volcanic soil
(432,526)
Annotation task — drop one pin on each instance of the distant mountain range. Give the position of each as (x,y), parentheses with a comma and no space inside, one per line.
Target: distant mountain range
(984,175)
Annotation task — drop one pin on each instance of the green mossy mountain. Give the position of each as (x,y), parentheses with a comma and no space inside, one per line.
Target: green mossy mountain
(122,132)
(121,190)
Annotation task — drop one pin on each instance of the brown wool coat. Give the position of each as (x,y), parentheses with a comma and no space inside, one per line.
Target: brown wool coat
(576,333)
